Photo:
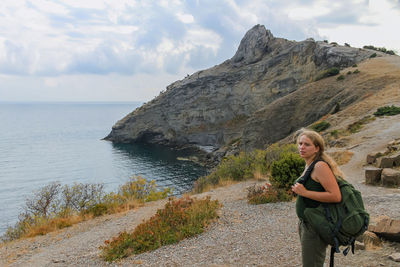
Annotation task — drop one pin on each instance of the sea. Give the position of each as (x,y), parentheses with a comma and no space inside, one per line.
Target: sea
(42,143)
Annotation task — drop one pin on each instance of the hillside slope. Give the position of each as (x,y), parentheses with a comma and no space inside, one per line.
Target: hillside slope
(261,235)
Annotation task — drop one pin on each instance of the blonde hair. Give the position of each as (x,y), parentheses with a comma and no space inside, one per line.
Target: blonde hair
(318,141)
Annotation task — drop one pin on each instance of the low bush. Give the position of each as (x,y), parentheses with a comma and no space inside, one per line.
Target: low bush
(340,78)
(55,207)
(356,126)
(181,218)
(267,194)
(286,170)
(380,49)
(373,55)
(320,126)
(327,73)
(356,71)
(387,111)
(243,167)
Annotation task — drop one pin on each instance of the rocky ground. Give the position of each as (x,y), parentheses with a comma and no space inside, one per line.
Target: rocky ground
(244,235)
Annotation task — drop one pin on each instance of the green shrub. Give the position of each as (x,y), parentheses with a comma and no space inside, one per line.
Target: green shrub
(274,153)
(232,168)
(327,73)
(373,55)
(267,194)
(349,72)
(179,219)
(243,166)
(356,71)
(286,170)
(340,78)
(334,133)
(138,188)
(320,126)
(387,110)
(356,126)
(355,66)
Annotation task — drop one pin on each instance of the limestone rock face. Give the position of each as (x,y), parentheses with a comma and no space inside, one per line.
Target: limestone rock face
(257,97)
(253,46)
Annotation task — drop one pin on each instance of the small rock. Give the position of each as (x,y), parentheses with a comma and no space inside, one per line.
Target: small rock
(58,261)
(359,245)
(395,257)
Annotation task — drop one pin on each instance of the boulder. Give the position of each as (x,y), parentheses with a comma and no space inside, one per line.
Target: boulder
(372,157)
(396,159)
(394,145)
(373,175)
(371,241)
(395,257)
(385,162)
(390,177)
(387,228)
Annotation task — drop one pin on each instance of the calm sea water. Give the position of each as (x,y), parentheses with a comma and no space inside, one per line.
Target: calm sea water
(45,142)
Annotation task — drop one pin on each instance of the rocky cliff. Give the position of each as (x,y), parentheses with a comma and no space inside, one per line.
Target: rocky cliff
(260,95)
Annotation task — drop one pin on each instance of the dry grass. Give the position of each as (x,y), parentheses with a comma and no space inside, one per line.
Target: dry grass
(341,157)
(53,225)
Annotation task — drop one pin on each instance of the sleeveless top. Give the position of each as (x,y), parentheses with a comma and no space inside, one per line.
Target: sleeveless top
(302,202)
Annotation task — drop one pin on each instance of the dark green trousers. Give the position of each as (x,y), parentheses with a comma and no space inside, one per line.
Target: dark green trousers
(313,248)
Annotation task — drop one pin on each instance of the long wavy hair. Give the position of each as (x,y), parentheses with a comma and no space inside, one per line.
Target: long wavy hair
(318,141)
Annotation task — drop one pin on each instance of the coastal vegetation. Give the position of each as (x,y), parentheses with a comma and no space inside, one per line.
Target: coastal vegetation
(320,126)
(244,166)
(281,164)
(283,175)
(179,219)
(55,206)
(327,73)
(380,49)
(387,111)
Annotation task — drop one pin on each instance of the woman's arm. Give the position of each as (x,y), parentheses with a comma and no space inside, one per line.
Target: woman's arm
(324,175)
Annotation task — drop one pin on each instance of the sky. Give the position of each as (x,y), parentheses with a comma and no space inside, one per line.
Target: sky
(130,50)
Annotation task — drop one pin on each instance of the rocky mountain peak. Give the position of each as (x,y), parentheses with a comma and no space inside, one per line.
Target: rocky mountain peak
(253,45)
(266,91)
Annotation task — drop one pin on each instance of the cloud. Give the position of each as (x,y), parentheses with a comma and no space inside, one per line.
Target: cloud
(98,38)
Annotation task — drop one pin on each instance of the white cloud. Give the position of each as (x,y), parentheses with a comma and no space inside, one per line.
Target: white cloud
(50,48)
(185,18)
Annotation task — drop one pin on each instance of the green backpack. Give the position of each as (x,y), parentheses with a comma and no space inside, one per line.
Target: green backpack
(338,224)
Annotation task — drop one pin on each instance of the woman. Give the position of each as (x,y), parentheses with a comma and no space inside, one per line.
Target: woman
(322,187)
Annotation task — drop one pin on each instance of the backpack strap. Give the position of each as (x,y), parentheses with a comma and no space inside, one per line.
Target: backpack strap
(307,175)
(332,259)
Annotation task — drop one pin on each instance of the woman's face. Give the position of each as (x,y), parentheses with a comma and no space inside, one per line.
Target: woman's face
(307,149)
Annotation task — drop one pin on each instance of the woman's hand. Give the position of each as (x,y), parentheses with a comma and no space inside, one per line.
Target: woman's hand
(299,189)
